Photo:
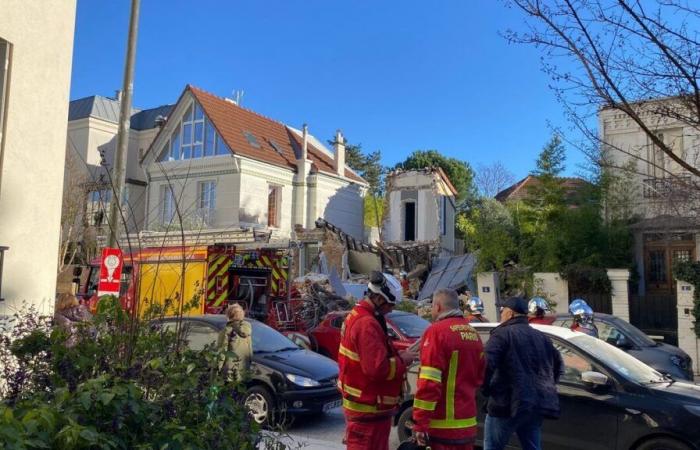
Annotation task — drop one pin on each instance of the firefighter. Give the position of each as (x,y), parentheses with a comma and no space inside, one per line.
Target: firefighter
(371,371)
(475,310)
(537,309)
(452,366)
(583,318)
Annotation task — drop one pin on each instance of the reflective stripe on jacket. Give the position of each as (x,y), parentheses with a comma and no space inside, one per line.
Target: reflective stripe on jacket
(452,369)
(371,372)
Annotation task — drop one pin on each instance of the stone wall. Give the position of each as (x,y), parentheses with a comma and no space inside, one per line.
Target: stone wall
(687,340)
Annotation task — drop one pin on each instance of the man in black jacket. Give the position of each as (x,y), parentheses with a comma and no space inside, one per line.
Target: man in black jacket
(523,368)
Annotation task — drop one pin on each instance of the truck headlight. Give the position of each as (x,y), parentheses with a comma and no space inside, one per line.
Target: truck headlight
(302,381)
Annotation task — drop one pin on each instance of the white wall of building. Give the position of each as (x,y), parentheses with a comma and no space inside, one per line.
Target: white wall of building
(340,203)
(31,170)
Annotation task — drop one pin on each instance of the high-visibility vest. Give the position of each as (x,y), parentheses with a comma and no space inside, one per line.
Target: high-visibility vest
(371,372)
(452,369)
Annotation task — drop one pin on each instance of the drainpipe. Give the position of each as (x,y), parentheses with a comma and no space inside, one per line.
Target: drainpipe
(3,249)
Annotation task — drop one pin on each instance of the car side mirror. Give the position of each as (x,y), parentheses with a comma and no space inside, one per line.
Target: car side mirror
(623,343)
(595,379)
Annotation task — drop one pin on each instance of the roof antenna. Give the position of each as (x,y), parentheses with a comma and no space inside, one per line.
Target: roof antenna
(238,96)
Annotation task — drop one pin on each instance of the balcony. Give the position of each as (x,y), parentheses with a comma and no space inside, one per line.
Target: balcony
(661,188)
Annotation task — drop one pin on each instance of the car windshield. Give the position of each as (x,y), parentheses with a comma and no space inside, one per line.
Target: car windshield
(634,333)
(268,340)
(619,361)
(410,325)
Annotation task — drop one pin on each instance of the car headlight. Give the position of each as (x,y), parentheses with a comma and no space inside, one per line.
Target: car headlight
(693,409)
(302,381)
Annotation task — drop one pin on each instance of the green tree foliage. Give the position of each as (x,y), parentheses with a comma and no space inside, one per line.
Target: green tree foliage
(114,382)
(459,172)
(490,230)
(374,210)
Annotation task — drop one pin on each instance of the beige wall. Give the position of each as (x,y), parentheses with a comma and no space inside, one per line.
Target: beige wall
(41,34)
(686,335)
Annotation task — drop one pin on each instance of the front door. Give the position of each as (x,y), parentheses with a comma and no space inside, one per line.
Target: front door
(589,418)
(660,253)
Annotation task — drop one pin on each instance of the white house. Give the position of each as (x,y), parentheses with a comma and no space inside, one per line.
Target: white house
(215,166)
(36,47)
(421,208)
(656,189)
(91,144)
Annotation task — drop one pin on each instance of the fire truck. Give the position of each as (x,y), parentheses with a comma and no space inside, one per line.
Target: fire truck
(213,275)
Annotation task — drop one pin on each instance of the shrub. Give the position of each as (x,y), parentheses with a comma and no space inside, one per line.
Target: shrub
(116,382)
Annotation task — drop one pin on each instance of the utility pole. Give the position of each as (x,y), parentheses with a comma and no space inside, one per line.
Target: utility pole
(119,174)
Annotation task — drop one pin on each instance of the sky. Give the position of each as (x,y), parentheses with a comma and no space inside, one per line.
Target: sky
(392,75)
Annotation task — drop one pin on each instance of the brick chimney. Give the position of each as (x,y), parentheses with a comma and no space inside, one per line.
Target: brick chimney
(339,155)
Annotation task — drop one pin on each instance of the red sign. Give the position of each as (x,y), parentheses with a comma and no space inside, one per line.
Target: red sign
(110,272)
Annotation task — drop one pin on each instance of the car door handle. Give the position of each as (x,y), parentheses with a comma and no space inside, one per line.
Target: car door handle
(634,412)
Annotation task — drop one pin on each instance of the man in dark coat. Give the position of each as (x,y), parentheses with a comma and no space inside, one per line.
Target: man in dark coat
(523,368)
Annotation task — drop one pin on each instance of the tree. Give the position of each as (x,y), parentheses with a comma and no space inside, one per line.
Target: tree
(547,194)
(459,172)
(638,59)
(492,179)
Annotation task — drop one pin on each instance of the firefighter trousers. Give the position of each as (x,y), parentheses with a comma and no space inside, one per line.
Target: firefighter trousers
(451,447)
(372,435)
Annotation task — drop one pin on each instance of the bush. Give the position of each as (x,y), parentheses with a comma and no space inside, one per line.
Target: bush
(407,306)
(115,382)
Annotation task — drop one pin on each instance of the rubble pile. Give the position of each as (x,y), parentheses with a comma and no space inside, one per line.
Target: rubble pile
(317,298)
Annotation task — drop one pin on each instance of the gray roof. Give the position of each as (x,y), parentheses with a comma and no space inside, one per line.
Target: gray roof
(107,109)
(449,272)
(146,119)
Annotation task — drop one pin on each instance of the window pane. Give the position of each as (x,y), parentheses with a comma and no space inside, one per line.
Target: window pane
(187,134)
(574,365)
(186,152)
(198,115)
(198,132)
(197,151)
(175,148)
(188,115)
(209,140)
(221,147)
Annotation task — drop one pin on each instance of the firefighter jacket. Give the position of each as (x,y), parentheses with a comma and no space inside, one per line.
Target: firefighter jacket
(371,372)
(542,320)
(452,365)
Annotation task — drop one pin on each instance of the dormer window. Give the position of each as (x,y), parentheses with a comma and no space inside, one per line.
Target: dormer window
(194,137)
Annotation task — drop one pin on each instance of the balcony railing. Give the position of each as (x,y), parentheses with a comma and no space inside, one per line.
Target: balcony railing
(665,187)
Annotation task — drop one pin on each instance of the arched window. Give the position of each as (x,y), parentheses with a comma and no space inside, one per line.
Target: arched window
(194,137)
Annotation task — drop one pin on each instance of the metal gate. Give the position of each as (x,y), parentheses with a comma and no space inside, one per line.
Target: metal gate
(656,315)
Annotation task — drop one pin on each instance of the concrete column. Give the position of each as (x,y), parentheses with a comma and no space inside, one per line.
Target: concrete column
(686,335)
(487,291)
(553,288)
(619,279)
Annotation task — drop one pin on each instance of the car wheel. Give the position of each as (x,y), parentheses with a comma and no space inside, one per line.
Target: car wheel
(259,403)
(662,444)
(404,426)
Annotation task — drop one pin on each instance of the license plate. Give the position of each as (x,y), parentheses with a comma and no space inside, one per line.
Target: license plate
(331,405)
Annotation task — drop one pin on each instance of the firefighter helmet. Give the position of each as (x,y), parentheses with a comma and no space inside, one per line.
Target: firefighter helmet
(538,305)
(581,311)
(385,285)
(475,306)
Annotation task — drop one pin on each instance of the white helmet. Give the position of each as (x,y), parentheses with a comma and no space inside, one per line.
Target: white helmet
(385,285)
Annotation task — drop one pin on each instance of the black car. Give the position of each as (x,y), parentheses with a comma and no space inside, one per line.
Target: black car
(285,379)
(663,357)
(609,400)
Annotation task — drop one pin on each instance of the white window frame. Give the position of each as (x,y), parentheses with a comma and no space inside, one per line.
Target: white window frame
(167,152)
(206,206)
(98,200)
(167,205)
(278,205)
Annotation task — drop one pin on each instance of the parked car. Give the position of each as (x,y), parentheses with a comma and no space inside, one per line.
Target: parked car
(663,357)
(285,379)
(609,400)
(404,329)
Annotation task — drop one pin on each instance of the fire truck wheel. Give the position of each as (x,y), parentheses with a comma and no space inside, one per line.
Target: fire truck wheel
(260,405)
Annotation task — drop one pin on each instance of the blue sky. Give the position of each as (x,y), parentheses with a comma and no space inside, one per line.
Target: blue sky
(393,75)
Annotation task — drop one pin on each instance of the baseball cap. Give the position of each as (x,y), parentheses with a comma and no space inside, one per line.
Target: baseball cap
(517,304)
